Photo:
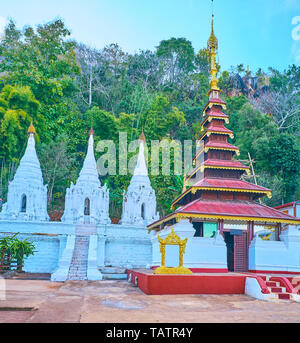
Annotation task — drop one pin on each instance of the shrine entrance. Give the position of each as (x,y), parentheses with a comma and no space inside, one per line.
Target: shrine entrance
(237,250)
(23,203)
(87,211)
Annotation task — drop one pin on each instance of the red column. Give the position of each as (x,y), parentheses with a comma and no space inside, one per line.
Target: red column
(221,226)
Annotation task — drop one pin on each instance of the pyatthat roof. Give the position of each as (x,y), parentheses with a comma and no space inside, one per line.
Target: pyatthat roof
(225,163)
(218,128)
(235,208)
(230,210)
(229,184)
(220,145)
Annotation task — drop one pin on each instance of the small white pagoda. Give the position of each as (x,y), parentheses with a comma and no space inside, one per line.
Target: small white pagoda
(27,194)
(87,202)
(139,202)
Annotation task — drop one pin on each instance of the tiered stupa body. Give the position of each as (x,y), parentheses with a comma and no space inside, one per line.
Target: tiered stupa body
(139,203)
(215,191)
(87,201)
(27,194)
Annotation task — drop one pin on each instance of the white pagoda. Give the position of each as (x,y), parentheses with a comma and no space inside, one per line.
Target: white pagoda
(27,194)
(87,202)
(139,202)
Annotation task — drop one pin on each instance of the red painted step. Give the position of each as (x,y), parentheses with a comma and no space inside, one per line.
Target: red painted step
(271,283)
(276,289)
(284,296)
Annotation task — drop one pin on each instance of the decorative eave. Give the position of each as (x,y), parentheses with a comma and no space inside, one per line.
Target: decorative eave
(210,117)
(208,132)
(214,102)
(194,189)
(204,166)
(269,215)
(179,216)
(217,146)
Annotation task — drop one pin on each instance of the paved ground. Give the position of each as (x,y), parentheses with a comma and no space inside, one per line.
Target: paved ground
(119,302)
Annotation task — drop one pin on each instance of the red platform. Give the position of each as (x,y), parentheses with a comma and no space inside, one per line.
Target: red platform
(197,283)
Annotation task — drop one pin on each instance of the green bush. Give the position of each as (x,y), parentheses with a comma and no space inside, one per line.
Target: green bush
(14,251)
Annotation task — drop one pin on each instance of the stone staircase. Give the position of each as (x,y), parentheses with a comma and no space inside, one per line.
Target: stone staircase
(277,287)
(78,267)
(113,273)
(85,230)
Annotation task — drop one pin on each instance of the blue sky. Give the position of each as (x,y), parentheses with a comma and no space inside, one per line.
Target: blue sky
(257,33)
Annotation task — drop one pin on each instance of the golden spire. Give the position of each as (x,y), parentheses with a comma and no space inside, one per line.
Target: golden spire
(31,129)
(212,46)
(91,132)
(142,136)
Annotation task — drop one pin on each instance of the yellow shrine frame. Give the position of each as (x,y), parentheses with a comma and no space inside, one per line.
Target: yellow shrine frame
(172,239)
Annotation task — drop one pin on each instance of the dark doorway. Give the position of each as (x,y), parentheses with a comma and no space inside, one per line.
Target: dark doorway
(143,211)
(198,226)
(23,203)
(229,240)
(87,207)
(237,250)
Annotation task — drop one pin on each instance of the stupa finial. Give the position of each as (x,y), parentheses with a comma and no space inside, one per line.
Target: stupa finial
(212,46)
(142,136)
(31,129)
(91,132)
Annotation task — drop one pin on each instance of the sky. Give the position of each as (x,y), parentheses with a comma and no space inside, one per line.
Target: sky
(258,33)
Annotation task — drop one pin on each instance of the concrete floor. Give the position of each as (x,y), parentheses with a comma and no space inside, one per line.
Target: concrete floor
(120,302)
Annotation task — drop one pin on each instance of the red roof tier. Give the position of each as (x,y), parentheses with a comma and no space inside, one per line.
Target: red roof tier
(225,145)
(218,128)
(217,145)
(225,163)
(217,100)
(234,208)
(229,183)
(230,210)
(213,101)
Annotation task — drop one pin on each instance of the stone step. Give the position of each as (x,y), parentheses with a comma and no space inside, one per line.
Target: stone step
(114,276)
(78,267)
(112,270)
(284,296)
(272,283)
(277,289)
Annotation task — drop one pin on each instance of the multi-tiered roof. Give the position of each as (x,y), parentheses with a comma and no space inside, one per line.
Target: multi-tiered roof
(215,188)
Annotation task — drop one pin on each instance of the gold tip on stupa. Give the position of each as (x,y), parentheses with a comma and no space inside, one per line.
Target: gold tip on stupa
(212,42)
(31,129)
(142,137)
(212,46)
(91,132)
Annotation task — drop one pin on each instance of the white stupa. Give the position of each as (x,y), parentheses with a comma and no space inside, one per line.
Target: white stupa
(139,203)
(86,201)
(27,194)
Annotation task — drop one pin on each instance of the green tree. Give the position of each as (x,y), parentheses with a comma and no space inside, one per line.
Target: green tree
(177,55)
(41,59)
(18,107)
